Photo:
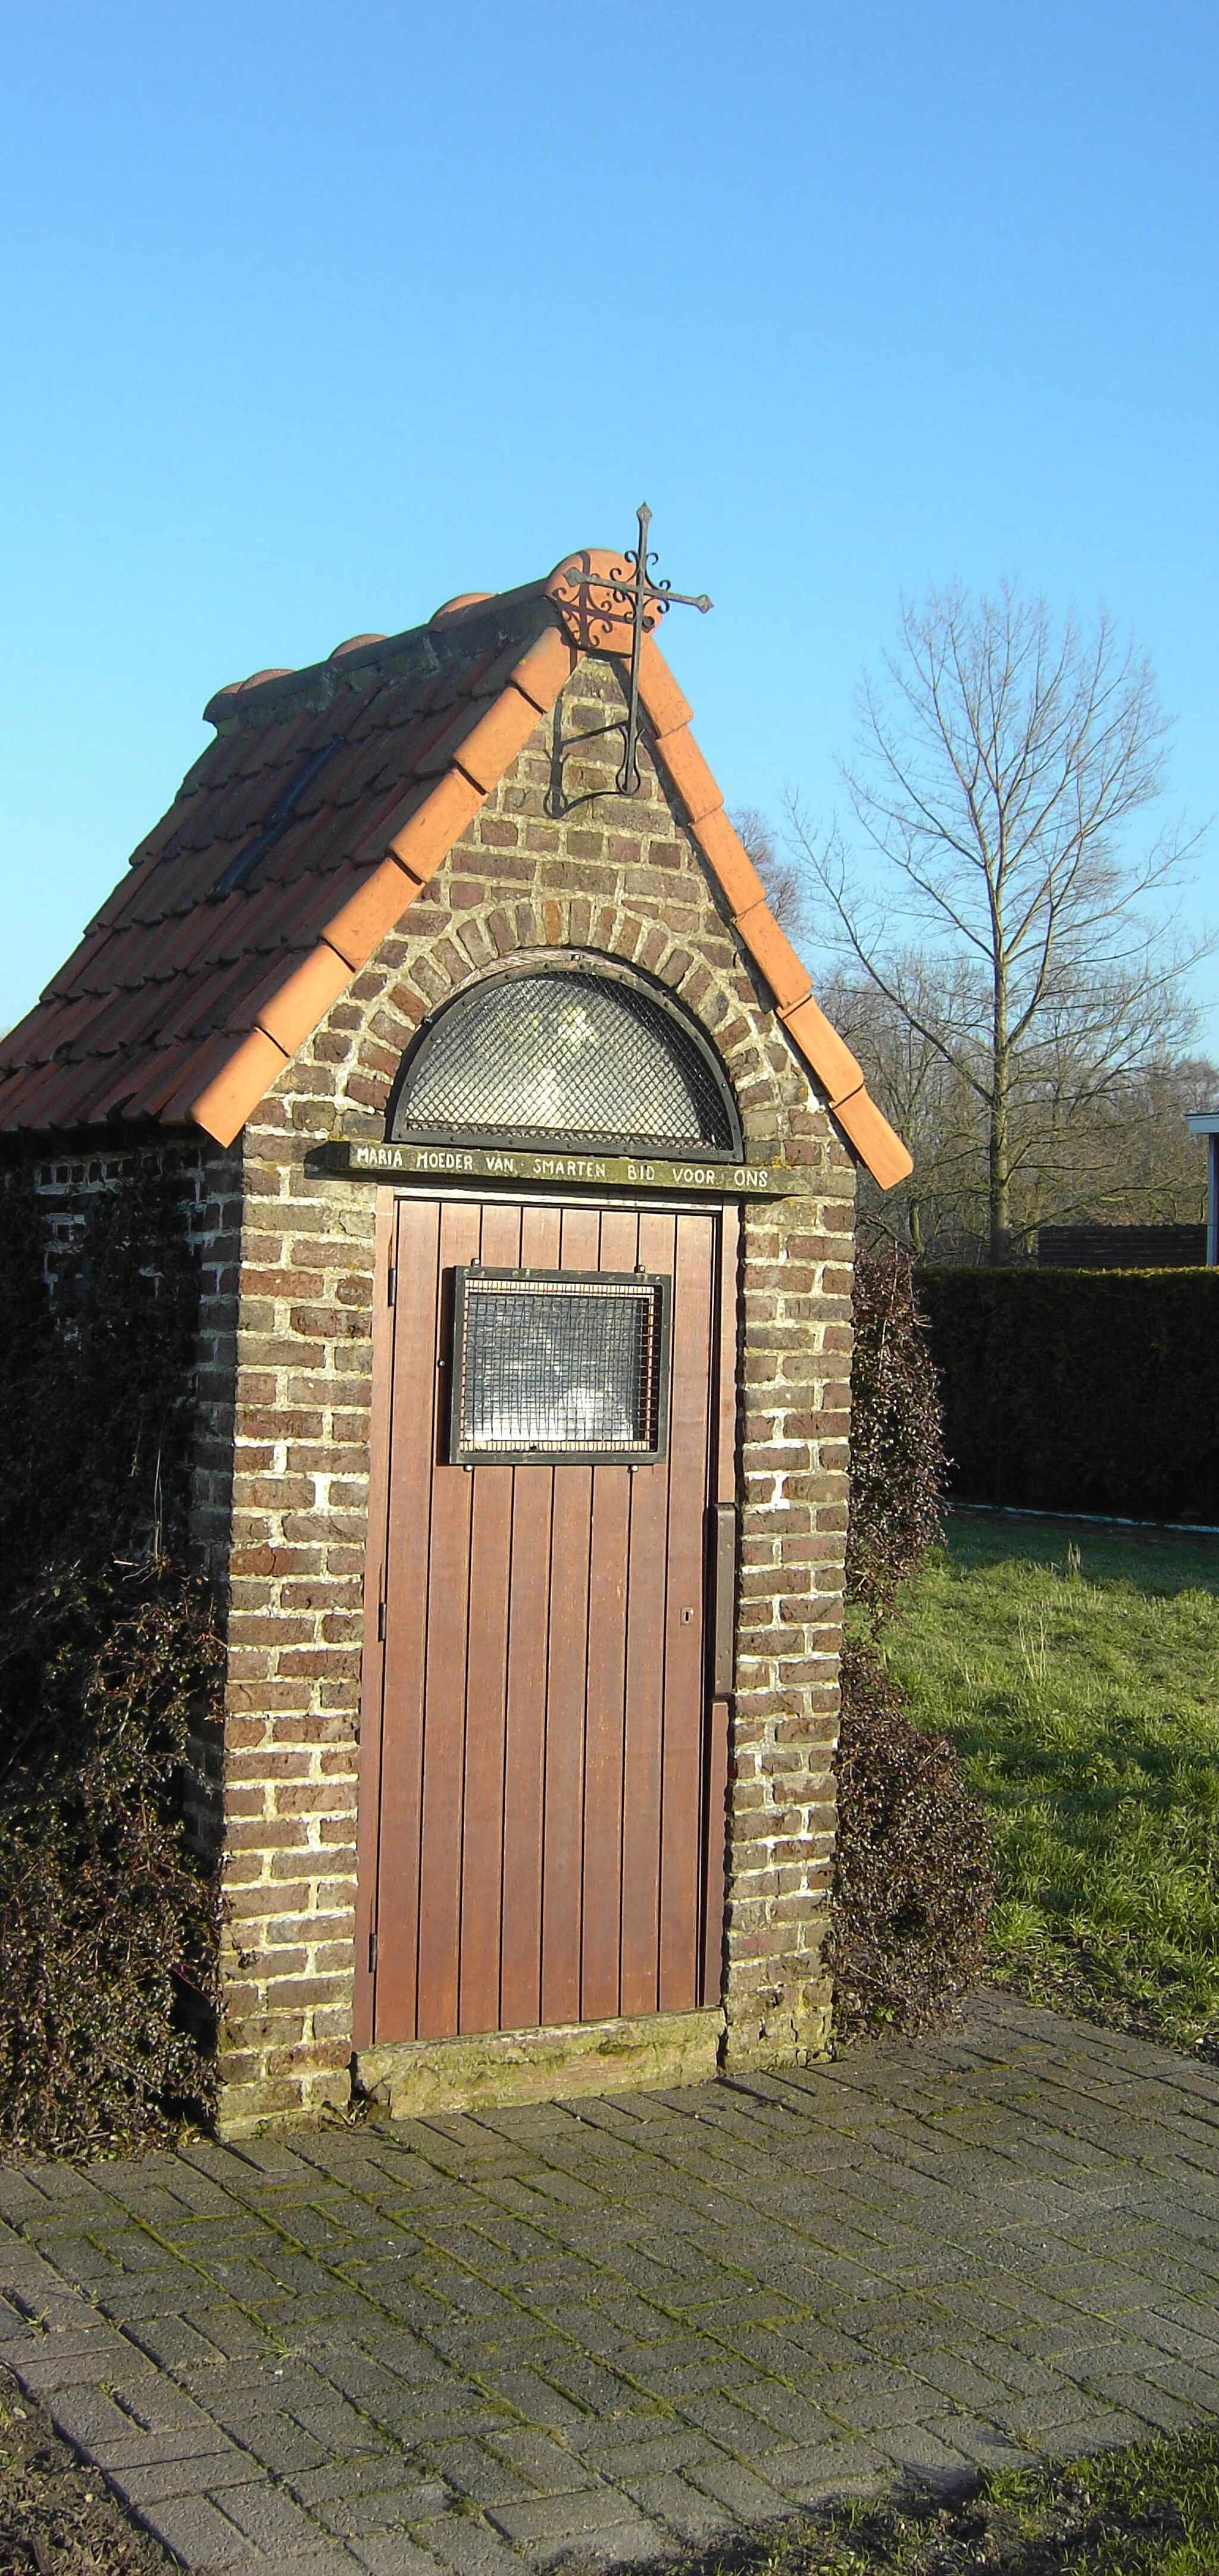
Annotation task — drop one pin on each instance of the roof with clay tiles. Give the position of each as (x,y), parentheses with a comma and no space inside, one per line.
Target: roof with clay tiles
(302,835)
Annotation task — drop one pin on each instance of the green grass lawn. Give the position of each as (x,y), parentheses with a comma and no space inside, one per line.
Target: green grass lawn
(1077,1671)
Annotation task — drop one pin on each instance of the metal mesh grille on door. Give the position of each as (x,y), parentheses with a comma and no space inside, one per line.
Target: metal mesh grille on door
(558,1366)
(584,1056)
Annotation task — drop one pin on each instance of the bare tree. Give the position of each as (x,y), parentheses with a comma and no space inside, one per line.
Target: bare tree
(1001,761)
(935,1209)
(1115,1150)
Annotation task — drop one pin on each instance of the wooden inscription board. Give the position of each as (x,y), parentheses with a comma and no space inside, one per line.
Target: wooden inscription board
(405,1160)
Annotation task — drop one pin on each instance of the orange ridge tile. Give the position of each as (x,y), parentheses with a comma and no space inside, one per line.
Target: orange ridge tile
(875,1141)
(545,668)
(666,706)
(729,862)
(295,1009)
(829,1055)
(495,740)
(584,591)
(234,1093)
(429,834)
(681,757)
(771,949)
(450,727)
(370,912)
(453,607)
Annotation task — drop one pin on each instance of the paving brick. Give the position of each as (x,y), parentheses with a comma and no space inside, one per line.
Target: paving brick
(936,2313)
(386,2489)
(959,2378)
(921,2453)
(864,2401)
(149,2482)
(1169,2414)
(472,2469)
(586,2511)
(667,2499)
(272,2519)
(391,2553)
(151,2398)
(172,2342)
(468,2547)
(649,2454)
(549,2466)
(67,2361)
(280,2445)
(978,2440)
(200,2536)
(809,2473)
(749,2497)
(534,2397)
(785,2414)
(591,2384)
(89,2419)
(726,2422)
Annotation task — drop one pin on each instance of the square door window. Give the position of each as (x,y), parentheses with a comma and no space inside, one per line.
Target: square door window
(559,1365)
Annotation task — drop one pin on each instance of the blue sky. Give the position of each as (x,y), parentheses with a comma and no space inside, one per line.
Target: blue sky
(316,315)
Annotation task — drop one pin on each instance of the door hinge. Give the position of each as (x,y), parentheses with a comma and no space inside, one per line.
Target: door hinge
(372,1953)
(391,1284)
(380,1623)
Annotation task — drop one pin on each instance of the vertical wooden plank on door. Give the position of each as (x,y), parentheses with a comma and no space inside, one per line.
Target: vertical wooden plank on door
(525,1750)
(723,1490)
(681,1869)
(645,1694)
(567,1668)
(372,1670)
(409,1481)
(486,1693)
(445,1703)
(601,1907)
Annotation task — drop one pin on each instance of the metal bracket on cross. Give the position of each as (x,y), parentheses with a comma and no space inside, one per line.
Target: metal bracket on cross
(611,593)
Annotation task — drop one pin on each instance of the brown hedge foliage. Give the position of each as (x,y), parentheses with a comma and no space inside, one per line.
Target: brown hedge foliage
(109,1670)
(95,1378)
(913,1866)
(898,1468)
(107,1920)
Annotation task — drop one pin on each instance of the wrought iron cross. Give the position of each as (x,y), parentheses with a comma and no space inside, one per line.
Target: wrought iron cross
(637,591)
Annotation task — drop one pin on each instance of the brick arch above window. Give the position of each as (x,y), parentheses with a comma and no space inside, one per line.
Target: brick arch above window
(567,1046)
(773,1095)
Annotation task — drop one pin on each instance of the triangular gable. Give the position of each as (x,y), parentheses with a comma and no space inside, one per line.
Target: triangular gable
(299,947)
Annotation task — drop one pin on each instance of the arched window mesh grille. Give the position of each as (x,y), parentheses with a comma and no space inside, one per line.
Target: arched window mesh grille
(581,1056)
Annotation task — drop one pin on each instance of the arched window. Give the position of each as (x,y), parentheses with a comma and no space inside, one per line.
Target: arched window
(567,1053)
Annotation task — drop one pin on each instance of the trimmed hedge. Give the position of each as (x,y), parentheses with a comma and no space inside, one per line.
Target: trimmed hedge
(914,1869)
(913,1864)
(95,1378)
(1080,1390)
(107,1919)
(897,1465)
(110,1673)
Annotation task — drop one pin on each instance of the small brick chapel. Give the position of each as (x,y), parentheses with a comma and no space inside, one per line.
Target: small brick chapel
(520,1160)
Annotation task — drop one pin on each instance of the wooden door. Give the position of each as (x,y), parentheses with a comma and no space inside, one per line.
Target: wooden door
(542,1794)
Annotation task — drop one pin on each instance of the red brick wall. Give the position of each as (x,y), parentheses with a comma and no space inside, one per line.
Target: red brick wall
(291,1354)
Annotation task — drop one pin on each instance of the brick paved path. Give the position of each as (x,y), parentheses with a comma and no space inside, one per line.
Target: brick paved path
(620,2327)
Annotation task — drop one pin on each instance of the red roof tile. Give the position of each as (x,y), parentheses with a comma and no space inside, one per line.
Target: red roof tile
(303,833)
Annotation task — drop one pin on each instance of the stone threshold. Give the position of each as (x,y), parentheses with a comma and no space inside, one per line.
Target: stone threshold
(643,2052)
